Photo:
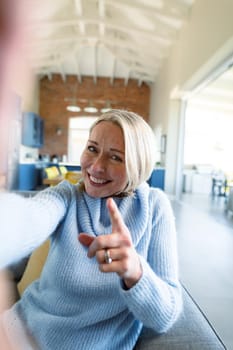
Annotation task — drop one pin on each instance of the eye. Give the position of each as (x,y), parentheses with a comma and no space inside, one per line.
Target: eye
(116,158)
(91,148)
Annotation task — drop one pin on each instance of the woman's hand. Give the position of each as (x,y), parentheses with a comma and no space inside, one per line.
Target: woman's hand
(118,246)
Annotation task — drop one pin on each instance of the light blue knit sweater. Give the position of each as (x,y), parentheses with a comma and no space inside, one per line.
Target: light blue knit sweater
(74,306)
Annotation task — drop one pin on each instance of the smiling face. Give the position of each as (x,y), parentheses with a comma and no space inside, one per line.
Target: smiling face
(103,161)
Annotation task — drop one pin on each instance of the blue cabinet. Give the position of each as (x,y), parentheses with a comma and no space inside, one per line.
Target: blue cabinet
(27,177)
(32,130)
(31,176)
(157,178)
(72,167)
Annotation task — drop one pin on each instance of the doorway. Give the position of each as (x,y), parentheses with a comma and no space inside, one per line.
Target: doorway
(208,143)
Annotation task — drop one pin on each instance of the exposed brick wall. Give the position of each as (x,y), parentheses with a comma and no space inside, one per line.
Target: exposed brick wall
(53,104)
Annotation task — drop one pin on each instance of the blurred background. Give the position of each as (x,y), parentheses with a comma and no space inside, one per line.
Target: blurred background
(168,60)
(65,62)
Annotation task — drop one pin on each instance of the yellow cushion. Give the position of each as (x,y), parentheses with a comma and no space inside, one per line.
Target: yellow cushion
(63,170)
(52,172)
(34,266)
(73,176)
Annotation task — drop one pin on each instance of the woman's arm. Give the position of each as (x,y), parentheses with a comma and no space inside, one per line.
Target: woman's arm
(25,223)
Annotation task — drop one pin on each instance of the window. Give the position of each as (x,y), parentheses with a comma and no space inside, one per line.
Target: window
(78,135)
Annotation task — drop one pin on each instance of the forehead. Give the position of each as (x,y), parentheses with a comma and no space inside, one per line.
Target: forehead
(108,131)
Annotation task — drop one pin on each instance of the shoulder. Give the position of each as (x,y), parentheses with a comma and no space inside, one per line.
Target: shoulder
(152,194)
(156,199)
(159,197)
(64,191)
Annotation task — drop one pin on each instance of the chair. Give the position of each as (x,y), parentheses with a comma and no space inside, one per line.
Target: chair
(52,176)
(63,170)
(51,172)
(73,176)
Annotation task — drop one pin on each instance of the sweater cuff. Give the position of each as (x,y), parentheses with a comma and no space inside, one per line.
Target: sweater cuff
(152,300)
(142,284)
(149,285)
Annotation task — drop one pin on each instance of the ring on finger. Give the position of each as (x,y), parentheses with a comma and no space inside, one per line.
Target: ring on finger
(107,257)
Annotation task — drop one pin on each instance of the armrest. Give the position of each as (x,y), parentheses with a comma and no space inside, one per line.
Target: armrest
(192,331)
(14,273)
(25,271)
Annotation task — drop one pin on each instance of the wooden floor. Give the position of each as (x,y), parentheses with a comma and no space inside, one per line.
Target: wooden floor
(205,243)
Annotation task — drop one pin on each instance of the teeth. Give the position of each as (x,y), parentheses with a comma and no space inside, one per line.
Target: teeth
(98,181)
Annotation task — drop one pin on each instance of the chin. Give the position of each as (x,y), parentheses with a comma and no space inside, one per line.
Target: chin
(95,193)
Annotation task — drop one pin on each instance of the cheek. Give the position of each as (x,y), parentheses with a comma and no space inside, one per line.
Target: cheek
(121,177)
(125,179)
(83,160)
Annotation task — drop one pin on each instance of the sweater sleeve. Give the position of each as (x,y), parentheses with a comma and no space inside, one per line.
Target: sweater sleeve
(156,299)
(25,223)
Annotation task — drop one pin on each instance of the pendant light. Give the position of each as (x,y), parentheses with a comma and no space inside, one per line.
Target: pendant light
(107,107)
(90,108)
(73,108)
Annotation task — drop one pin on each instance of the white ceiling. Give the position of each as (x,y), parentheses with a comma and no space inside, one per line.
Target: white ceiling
(126,39)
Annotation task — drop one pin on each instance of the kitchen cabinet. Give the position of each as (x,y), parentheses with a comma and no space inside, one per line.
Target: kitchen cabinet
(71,167)
(202,183)
(32,130)
(27,177)
(157,178)
(31,176)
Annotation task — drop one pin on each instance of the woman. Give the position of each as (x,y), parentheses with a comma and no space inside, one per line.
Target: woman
(112,265)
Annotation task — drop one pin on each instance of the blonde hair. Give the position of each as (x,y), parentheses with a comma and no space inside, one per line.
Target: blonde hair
(139,142)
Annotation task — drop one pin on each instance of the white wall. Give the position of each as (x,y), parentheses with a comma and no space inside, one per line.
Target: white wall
(30,97)
(205,41)
(30,103)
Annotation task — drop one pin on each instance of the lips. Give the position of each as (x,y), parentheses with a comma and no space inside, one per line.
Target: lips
(98,181)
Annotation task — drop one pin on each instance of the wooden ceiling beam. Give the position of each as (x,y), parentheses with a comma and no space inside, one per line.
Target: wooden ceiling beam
(161,39)
(171,9)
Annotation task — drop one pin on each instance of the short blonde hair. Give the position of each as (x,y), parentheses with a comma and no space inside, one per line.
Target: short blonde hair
(139,142)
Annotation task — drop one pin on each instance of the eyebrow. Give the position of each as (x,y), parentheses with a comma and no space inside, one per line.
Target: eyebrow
(111,149)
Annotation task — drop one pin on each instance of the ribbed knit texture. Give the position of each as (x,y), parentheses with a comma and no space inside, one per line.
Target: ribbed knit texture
(75,306)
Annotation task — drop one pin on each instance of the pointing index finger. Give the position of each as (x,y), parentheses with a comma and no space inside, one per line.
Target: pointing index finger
(115,216)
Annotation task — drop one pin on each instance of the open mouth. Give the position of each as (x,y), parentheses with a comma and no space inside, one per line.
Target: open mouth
(97,181)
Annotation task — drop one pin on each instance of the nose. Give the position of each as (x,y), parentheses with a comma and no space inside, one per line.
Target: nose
(99,164)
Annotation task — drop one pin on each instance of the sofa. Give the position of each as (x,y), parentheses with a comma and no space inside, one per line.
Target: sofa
(192,331)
